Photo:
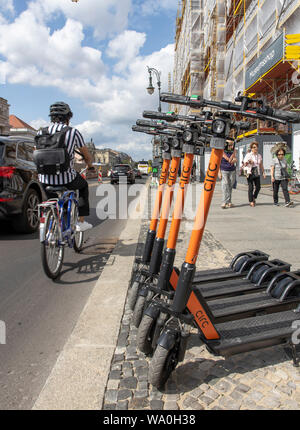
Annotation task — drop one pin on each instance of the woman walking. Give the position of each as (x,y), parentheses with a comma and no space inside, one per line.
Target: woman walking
(254,167)
(279,176)
(228,174)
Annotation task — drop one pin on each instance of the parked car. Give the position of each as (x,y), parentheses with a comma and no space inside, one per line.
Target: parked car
(20,190)
(137,173)
(122,171)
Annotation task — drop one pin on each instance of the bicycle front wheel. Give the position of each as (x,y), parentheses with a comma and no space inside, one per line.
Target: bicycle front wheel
(52,252)
(78,235)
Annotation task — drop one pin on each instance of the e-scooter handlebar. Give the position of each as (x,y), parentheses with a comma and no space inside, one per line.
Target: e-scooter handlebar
(242,125)
(197,102)
(263,113)
(160,125)
(160,115)
(146,123)
(171,116)
(293,117)
(153,131)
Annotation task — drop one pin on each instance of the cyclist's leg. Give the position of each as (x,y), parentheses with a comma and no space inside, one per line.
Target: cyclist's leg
(49,194)
(82,186)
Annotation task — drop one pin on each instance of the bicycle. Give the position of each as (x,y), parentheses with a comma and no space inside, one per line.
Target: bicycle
(294,180)
(58,220)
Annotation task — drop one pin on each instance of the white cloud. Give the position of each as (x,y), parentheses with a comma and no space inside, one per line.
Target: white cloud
(105,17)
(38,123)
(152,7)
(7,6)
(125,47)
(38,57)
(59,59)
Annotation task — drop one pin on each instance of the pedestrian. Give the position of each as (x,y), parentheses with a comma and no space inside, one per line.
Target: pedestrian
(155,176)
(193,174)
(254,167)
(279,176)
(228,174)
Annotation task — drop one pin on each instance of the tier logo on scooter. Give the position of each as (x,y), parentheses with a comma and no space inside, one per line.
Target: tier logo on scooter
(210,179)
(185,177)
(172,177)
(163,177)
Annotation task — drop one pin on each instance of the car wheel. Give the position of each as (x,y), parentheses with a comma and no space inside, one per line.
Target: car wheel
(28,221)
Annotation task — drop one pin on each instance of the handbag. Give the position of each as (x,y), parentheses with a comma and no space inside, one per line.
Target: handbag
(283,171)
(254,173)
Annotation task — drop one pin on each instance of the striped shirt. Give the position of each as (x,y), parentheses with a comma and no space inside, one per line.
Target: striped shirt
(73,139)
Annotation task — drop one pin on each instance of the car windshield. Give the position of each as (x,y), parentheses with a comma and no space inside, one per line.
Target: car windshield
(121,168)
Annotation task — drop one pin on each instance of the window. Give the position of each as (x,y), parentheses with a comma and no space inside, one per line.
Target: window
(11,150)
(21,154)
(29,151)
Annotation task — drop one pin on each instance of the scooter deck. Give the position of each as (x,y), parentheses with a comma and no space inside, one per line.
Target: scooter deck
(238,268)
(253,333)
(230,288)
(217,274)
(249,305)
(254,282)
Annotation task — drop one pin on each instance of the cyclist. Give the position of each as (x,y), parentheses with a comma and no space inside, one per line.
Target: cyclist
(60,115)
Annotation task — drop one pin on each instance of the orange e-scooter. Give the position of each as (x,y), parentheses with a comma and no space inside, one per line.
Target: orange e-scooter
(191,138)
(144,260)
(156,256)
(153,247)
(228,338)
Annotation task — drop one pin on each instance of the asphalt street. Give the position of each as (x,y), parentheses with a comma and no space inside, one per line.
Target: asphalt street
(40,314)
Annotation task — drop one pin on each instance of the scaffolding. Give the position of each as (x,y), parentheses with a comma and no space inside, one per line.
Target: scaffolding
(188,64)
(218,41)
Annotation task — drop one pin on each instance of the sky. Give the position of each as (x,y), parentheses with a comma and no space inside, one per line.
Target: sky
(93,55)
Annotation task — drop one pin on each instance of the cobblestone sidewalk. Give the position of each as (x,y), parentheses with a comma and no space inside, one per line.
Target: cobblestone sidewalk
(264,379)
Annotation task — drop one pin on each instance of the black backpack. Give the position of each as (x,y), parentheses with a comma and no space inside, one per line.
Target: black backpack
(51,156)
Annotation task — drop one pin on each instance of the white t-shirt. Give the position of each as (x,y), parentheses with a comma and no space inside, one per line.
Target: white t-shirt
(256,158)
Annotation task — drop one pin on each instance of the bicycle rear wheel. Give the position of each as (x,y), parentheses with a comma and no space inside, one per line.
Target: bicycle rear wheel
(78,235)
(52,252)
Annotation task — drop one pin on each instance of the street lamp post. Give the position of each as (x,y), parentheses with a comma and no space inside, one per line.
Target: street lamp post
(151,88)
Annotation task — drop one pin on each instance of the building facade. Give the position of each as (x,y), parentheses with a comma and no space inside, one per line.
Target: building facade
(4,117)
(223,47)
(18,127)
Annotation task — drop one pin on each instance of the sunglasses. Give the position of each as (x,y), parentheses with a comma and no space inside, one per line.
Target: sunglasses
(280,153)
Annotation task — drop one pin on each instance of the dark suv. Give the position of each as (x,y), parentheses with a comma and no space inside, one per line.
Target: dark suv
(20,191)
(122,171)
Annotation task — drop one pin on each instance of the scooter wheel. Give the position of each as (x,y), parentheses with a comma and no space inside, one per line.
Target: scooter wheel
(132,294)
(239,263)
(145,334)
(162,365)
(138,311)
(258,273)
(280,287)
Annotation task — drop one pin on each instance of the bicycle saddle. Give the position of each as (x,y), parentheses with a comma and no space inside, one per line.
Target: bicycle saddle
(53,189)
